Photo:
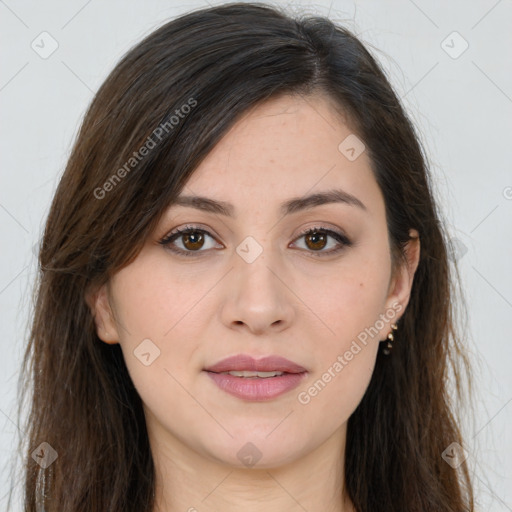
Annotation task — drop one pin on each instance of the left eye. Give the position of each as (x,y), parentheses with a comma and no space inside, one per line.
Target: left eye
(316,239)
(193,239)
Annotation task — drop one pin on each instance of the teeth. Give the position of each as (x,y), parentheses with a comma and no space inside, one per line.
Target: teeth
(261,375)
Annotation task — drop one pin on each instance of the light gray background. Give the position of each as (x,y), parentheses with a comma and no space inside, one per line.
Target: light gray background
(462,107)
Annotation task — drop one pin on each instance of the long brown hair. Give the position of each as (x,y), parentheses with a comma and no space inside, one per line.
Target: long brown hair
(177,93)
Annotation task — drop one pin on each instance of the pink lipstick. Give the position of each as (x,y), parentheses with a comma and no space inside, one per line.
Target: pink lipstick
(256,379)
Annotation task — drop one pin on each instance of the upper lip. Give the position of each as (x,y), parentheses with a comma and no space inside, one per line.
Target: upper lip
(245,362)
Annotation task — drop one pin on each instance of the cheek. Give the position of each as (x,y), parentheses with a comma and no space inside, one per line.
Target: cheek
(350,303)
(341,374)
(153,311)
(153,299)
(349,297)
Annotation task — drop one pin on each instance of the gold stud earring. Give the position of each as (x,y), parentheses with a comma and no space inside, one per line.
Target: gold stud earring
(389,346)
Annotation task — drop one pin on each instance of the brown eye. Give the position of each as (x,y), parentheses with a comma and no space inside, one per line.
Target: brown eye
(190,241)
(193,240)
(316,240)
(323,242)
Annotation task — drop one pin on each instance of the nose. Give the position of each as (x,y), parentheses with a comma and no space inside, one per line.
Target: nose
(257,297)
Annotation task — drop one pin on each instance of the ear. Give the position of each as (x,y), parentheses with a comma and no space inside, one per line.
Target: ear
(99,303)
(401,283)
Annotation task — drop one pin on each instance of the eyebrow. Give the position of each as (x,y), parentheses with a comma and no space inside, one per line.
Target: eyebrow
(288,207)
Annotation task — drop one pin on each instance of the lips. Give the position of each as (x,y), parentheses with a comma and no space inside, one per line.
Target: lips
(258,385)
(244,362)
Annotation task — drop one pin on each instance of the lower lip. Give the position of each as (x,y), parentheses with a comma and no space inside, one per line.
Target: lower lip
(256,389)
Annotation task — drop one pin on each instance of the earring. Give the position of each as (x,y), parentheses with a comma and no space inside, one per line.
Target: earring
(389,346)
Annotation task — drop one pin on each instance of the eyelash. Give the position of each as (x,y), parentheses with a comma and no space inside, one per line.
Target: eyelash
(339,237)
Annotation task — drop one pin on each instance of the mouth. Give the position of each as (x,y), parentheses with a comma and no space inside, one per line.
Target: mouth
(261,380)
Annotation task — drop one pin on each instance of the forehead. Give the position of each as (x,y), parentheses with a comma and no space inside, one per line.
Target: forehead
(285,147)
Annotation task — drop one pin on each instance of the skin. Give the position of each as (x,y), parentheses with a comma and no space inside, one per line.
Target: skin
(289,301)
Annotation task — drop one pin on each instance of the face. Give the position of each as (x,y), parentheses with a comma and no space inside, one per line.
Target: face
(253,283)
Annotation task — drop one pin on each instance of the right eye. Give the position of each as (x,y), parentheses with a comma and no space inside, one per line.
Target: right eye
(192,240)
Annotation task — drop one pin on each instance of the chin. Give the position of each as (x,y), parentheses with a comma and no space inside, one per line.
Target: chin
(252,450)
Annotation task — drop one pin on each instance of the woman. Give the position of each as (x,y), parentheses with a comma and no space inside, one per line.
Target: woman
(244,298)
